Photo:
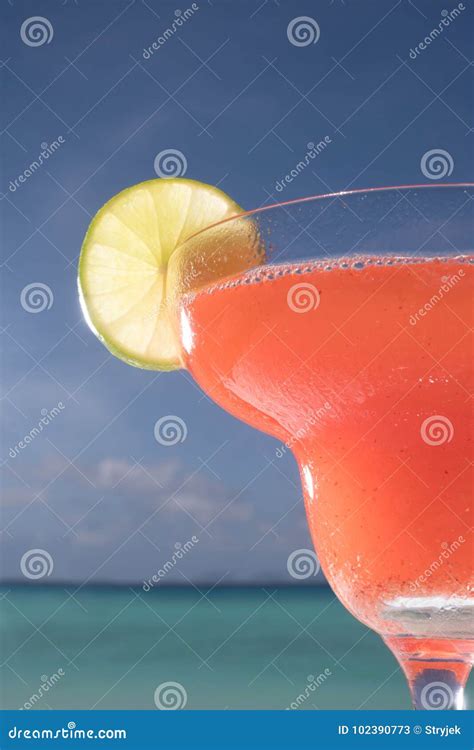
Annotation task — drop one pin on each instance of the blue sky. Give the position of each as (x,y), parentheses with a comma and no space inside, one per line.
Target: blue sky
(228,90)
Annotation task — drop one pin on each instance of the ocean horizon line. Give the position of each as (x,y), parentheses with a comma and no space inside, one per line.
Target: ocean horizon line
(161,585)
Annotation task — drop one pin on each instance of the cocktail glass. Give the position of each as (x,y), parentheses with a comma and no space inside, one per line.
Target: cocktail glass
(352,345)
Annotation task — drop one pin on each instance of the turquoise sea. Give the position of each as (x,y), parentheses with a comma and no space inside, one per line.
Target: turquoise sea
(226,648)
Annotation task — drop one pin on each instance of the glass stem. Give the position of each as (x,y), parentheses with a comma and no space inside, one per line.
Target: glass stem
(436,687)
(436,670)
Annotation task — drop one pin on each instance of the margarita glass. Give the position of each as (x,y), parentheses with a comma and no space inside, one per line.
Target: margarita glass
(352,344)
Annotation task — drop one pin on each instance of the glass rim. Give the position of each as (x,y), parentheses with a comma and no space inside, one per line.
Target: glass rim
(328,196)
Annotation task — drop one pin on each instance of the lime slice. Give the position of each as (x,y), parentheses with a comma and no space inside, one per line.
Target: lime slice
(144,248)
